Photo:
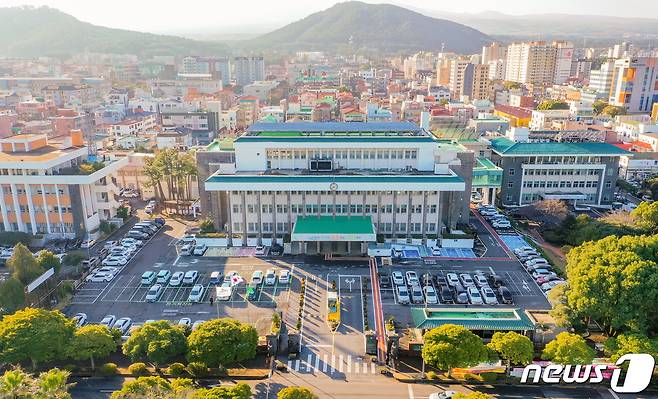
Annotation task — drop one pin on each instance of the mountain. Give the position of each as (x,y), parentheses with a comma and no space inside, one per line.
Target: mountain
(554,25)
(372,26)
(44,31)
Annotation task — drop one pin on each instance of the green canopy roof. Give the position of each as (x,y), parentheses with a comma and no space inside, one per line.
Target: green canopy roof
(487,319)
(334,228)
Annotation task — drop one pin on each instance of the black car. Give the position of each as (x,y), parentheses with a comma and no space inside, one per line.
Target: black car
(276,250)
(461,295)
(159,221)
(440,279)
(495,280)
(505,295)
(445,294)
(384,280)
(426,279)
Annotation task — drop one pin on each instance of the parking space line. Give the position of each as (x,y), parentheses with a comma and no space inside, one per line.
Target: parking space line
(349,363)
(340,363)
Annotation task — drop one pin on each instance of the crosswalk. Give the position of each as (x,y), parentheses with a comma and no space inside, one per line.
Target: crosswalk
(331,364)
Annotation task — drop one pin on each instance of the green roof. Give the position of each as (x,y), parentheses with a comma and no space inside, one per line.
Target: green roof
(505,146)
(334,178)
(225,144)
(494,319)
(334,225)
(485,163)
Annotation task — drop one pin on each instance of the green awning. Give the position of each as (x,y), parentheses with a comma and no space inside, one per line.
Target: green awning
(482,319)
(334,228)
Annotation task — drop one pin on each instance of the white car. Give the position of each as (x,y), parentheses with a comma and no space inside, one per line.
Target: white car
(163,276)
(443,395)
(197,324)
(536,261)
(430,295)
(107,269)
(88,243)
(257,277)
(196,294)
(123,324)
(80,319)
(187,249)
(154,293)
(467,280)
(284,276)
(100,277)
(436,251)
(398,278)
(270,277)
(176,279)
(474,296)
(489,296)
(480,280)
(551,284)
(190,277)
(224,292)
(148,277)
(453,279)
(542,272)
(501,224)
(412,278)
(114,261)
(185,322)
(403,295)
(417,294)
(260,250)
(132,241)
(110,244)
(108,321)
(200,249)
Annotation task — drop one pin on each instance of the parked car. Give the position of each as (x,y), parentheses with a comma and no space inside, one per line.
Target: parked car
(412,278)
(489,296)
(163,276)
(148,277)
(445,294)
(90,263)
(123,324)
(257,277)
(216,278)
(284,276)
(551,284)
(501,224)
(270,277)
(229,276)
(536,261)
(384,280)
(187,249)
(436,251)
(196,294)
(443,395)
(185,322)
(466,280)
(200,249)
(403,295)
(154,293)
(461,294)
(260,250)
(398,278)
(87,243)
(545,279)
(224,292)
(542,272)
(137,235)
(114,260)
(440,280)
(100,277)
(80,319)
(197,324)
(176,279)
(159,221)
(480,280)
(131,241)
(276,250)
(108,321)
(474,296)
(495,280)
(453,279)
(505,295)
(430,295)
(190,277)
(417,294)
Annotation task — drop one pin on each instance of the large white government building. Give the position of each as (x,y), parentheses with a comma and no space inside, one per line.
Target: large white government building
(334,187)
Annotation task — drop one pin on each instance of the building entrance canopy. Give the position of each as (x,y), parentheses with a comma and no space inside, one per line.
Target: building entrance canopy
(334,228)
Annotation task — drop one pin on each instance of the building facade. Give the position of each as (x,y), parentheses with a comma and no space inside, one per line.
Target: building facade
(248,70)
(531,63)
(335,187)
(635,84)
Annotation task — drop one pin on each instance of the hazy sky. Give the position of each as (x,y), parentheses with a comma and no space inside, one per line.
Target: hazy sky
(193,15)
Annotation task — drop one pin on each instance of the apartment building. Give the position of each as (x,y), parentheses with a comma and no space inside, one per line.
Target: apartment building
(76,96)
(51,187)
(248,70)
(601,79)
(584,173)
(217,67)
(563,61)
(333,187)
(635,84)
(531,63)
(494,51)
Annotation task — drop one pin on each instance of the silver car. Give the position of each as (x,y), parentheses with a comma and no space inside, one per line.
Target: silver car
(474,296)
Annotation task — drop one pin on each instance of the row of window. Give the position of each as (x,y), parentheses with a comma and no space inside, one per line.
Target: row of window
(281,227)
(21,190)
(262,193)
(558,159)
(562,184)
(39,209)
(558,172)
(338,208)
(42,228)
(342,154)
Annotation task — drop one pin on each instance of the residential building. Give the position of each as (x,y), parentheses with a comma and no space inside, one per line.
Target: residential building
(50,187)
(494,51)
(260,89)
(497,69)
(248,69)
(601,79)
(7,120)
(531,63)
(563,61)
(76,96)
(635,84)
(584,172)
(517,117)
(458,77)
(333,187)
(639,166)
(217,67)
(541,119)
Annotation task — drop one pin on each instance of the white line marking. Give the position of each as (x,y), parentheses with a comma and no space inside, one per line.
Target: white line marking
(349,363)
(297,365)
(324,364)
(309,366)
(317,364)
(357,368)
(340,363)
(372,368)
(614,395)
(289,364)
(333,363)
(411,391)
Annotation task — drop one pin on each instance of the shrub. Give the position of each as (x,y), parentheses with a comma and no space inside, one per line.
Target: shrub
(138,369)
(11,238)
(472,377)
(108,369)
(197,369)
(489,377)
(73,258)
(432,375)
(70,368)
(176,369)
(221,370)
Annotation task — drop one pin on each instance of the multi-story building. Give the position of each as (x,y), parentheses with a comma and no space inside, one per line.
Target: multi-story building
(334,187)
(51,186)
(601,79)
(248,69)
(497,69)
(563,61)
(480,87)
(218,67)
(457,80)
(584,172)
(77,96)
(531,62)
(494,51)
(635,84)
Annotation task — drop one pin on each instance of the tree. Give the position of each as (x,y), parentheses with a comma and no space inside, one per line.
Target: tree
(35,334)
(18,384)
(551,213)
(472,395)
(92,342)
(52,384)
(599,106)
(154,388)
(239,391)
(616,347)
(23,266)
(511,85)
(222,342)
(296,393)
(613,111)
(12,296)
(451,346)
(552,105)
(122,212)
(568,348)
(646,216)
(614,281)
(512,347)
(47,260)
(158,342)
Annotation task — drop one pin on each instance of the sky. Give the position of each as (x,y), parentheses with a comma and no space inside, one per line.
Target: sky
(197,15)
